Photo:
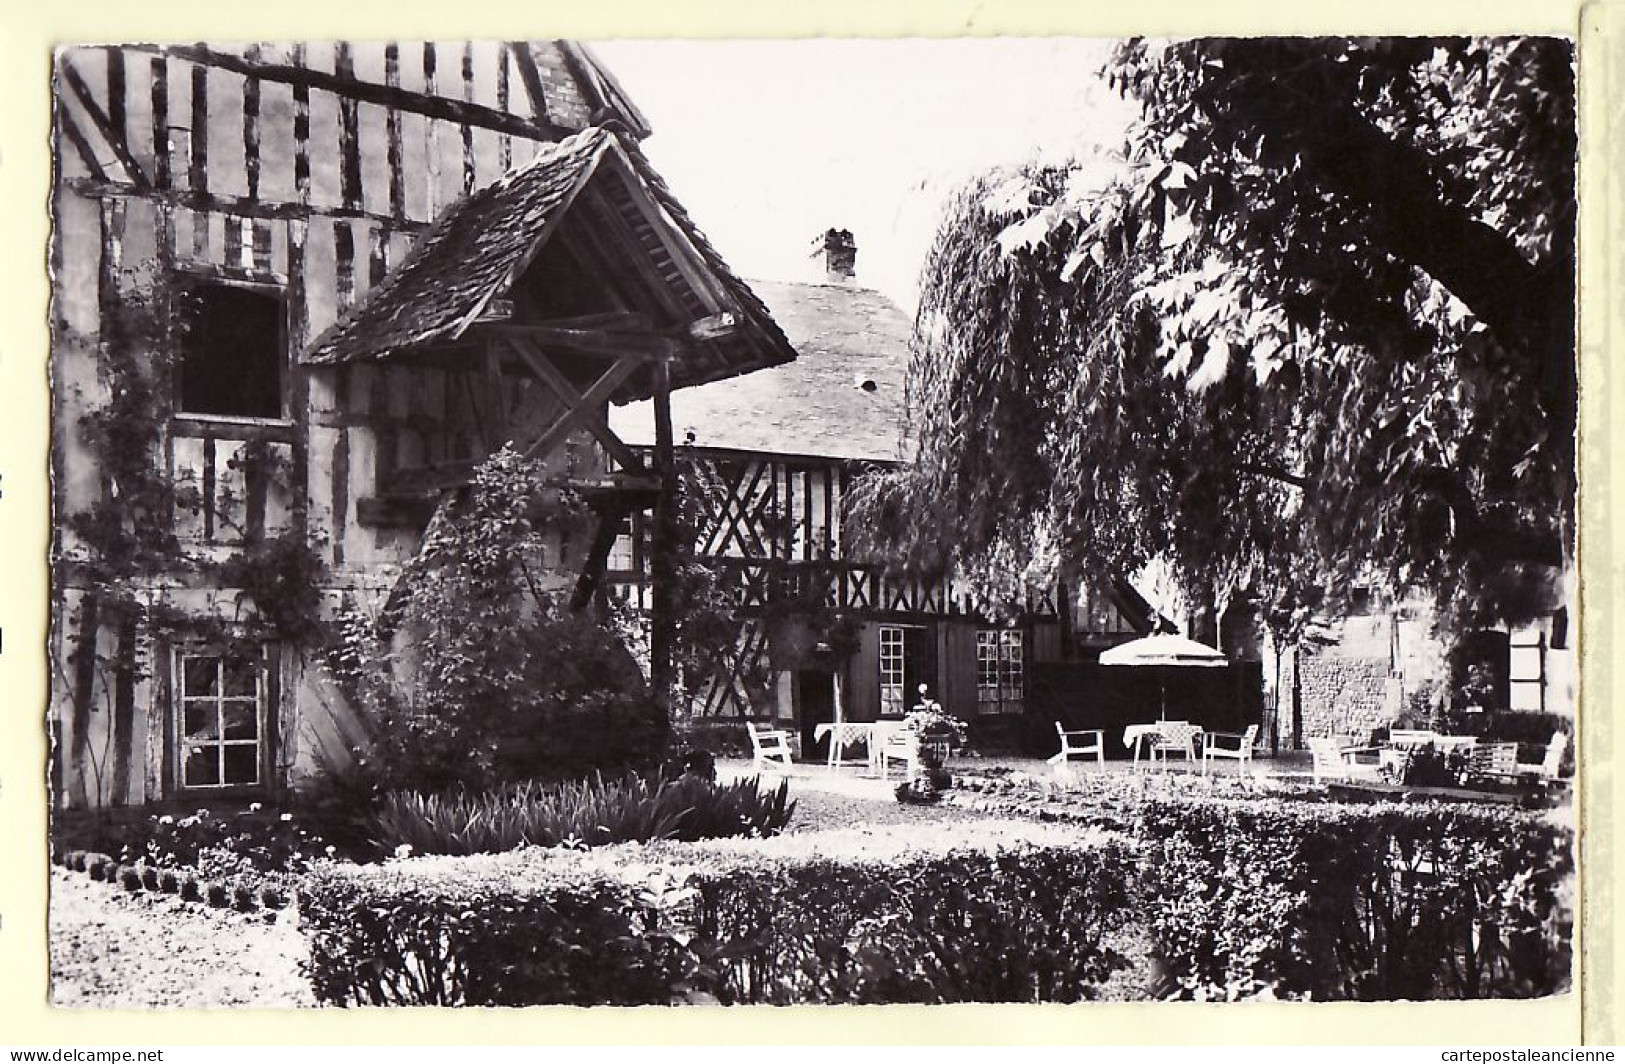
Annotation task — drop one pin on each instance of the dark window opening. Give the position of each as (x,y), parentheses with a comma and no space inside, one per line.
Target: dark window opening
(231,352)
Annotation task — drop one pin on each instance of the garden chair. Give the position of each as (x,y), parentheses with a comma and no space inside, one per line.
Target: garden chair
(1236,746)
(1495,759)
(1548,769)
(1334,761)
(771,748)
(899,745)
(1550,766)
(1178,737)
(1080,744)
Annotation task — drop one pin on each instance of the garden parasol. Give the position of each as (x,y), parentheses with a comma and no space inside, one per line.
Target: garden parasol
(1164,649)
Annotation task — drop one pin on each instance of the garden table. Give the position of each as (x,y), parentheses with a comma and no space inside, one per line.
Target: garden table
(844,734)
(872,734)
(1145,738)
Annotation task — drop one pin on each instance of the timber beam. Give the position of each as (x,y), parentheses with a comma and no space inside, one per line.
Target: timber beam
(643,346)
(441,107)
(582,409)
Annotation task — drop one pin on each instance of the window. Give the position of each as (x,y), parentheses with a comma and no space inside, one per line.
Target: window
(906,662)
(893,689)
(621,557)
(222,720)
(1001,680)
(231,352)
(1526,670)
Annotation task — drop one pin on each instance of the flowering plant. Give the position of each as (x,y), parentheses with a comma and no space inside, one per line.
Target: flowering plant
(927,721)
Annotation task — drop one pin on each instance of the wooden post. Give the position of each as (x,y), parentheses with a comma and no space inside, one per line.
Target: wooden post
(663,547)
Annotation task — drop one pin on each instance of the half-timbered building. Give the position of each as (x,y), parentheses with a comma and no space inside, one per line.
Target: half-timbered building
(299,291)
(822,627)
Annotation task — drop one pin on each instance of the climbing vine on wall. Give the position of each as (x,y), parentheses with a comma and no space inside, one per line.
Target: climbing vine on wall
(122,556)
(477,672)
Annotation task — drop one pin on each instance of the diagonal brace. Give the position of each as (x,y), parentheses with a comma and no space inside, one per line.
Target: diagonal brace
(581,408)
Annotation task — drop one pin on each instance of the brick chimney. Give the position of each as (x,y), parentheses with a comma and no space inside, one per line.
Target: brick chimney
(838,253)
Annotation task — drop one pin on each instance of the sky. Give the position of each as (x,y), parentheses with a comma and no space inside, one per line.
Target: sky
(769,143)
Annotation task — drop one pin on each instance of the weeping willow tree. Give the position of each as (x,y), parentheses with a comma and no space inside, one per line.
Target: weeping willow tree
(1312,327)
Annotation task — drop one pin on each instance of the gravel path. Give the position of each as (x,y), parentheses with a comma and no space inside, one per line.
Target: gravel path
(113,949)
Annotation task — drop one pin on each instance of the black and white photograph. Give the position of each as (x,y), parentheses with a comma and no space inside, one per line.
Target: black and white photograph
(812,522)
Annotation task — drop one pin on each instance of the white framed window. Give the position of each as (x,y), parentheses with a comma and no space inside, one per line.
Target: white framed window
(893,681)
(1001,675)
(1526,670)
(622,558)
(222,719)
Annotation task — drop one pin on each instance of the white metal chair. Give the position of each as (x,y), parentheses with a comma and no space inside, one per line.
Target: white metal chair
(1080,744)
(770,748)
(895,744)
(1234,746)
(1551,766)
(1334,761)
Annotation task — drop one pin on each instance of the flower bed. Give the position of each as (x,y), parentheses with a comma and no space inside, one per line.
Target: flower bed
(1108,800)
(974,913)
(589,813)
(245,860)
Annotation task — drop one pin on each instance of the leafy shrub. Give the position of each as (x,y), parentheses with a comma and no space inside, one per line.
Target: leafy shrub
(721,921)
(1360,902)
(129,878)
(685,760)
(169,882)
(477,676)
(721,738)
(217,895)
(191,890)
(149,877)
(391,936)
(589,813)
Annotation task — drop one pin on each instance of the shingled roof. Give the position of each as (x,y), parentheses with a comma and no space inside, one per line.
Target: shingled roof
(471,252)
(841,398)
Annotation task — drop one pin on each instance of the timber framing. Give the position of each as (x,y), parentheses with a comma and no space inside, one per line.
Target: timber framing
(319,174)
(460,112)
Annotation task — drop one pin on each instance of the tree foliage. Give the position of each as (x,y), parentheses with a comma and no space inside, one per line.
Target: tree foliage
(1313,327)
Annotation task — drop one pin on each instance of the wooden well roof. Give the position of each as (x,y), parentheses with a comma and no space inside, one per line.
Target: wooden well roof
(477,248)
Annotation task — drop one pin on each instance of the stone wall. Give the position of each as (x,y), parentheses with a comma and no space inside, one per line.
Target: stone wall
(1345,696)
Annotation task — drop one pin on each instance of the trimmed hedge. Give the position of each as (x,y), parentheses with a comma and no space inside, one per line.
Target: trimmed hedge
(767,922)
(1357,902)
